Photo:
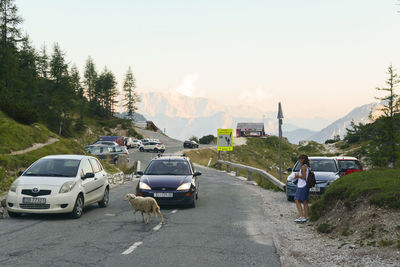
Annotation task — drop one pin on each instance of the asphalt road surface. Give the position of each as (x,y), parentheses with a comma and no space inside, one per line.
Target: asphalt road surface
(228,227)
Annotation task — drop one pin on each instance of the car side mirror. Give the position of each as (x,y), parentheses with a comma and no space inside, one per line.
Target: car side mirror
(140,173)
(88,175)
(196,173)
(20,173)
(289,169)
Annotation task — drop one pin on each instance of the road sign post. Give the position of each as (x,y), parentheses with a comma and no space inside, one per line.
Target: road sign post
(280,117)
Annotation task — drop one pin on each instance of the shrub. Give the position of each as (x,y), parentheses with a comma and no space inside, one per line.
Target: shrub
(325,227)
(206,139)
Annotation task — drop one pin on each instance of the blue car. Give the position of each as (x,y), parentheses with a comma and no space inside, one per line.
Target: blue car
(171,180)
(326,172)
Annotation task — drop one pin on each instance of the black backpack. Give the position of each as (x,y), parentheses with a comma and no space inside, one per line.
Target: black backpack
(311,179)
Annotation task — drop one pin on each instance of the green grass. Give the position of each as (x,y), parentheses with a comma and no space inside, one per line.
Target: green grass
(380,187)
(324,228)
(15,136)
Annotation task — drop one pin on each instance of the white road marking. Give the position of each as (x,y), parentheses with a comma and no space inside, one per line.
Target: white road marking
(132,248)
(174,211)
(157,227)
(109,214)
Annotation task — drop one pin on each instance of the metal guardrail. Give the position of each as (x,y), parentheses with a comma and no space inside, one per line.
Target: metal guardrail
(250,171)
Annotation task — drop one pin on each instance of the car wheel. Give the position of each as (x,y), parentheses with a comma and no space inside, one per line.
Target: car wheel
(290,198)
(78,208)
(193,204)
(14,214)
(155,150)
(104,202)
(141,149)
(115,161)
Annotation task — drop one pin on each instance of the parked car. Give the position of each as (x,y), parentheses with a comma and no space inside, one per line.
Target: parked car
(59,184)
(152,146)
(118,139)
(136,143)
(190,144)
(326,172)
(171,180)
(348,165)
(111,154)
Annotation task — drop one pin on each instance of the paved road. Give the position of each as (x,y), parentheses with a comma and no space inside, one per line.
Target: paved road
(228,227)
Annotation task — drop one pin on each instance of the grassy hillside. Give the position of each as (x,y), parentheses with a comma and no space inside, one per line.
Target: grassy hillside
(379,187)
(363,207)
(15,136)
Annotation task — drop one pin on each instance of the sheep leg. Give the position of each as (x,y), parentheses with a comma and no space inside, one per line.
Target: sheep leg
(160,214)
(134,214)
(142,216)
(148,217)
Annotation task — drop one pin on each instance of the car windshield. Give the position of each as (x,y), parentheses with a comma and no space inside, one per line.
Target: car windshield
(54,168)
(319,165)
(349,165)
(168,167)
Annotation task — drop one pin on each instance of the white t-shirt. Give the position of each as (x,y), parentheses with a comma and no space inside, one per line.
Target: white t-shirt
(302,183)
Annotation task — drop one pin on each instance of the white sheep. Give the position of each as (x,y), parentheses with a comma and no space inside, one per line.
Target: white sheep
(144,204)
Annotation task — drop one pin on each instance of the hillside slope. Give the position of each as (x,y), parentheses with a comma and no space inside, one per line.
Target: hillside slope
(15,136)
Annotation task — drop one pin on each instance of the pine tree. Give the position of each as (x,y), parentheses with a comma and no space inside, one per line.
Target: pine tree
(9,23)
(90,77)
(389,109)
(131,97)
(106,92)
(62,93)
(76,81)
(43,62)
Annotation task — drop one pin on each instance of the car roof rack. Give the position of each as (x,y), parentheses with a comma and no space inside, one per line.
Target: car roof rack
(171,155)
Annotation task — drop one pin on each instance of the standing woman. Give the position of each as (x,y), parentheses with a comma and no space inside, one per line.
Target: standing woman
(302,190)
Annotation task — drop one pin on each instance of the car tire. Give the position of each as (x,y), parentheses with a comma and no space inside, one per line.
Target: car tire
(13,214)
(104,202)
(141,149)
(115,162)
(78,208)
(193,204)
(155,150)
(290,198)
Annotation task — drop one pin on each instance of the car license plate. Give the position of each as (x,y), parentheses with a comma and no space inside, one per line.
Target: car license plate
(315,189)
(33,200)
(163,194)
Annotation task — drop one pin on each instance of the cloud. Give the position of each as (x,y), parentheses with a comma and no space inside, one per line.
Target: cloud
(188,87)
(255,97)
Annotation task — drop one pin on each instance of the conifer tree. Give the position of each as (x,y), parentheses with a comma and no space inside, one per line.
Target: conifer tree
(390,109)
(131,97)
(90,77)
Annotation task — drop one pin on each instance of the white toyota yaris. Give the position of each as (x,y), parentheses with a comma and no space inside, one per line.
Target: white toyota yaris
(59,184)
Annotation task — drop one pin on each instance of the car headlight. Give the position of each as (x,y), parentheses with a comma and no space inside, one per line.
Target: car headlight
(144,186)
(185,186)
(67,186)
(14,185)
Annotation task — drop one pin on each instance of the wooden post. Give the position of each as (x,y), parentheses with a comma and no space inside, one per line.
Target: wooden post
(237,172)
(249,176)
(228,168)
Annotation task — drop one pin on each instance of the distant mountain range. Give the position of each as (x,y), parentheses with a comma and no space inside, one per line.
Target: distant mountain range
(182,117)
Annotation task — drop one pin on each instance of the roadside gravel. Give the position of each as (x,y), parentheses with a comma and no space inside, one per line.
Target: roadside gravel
(302,245)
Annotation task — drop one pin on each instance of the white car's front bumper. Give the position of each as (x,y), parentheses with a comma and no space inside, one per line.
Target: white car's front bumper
(55,202)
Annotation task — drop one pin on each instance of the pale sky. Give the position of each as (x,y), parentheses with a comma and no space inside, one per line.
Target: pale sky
(318,57)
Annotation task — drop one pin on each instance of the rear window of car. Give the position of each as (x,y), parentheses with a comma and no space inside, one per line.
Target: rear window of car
(349,164)
(320,165)
(168,167)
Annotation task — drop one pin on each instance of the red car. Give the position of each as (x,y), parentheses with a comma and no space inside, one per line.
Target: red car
(348,165)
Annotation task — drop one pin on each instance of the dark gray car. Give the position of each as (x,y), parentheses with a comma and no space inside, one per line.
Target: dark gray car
(111,154)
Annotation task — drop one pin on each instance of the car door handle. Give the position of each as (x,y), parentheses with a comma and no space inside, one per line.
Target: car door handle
(95,178)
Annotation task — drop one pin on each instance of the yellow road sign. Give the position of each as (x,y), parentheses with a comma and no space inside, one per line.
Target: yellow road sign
(224,140)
